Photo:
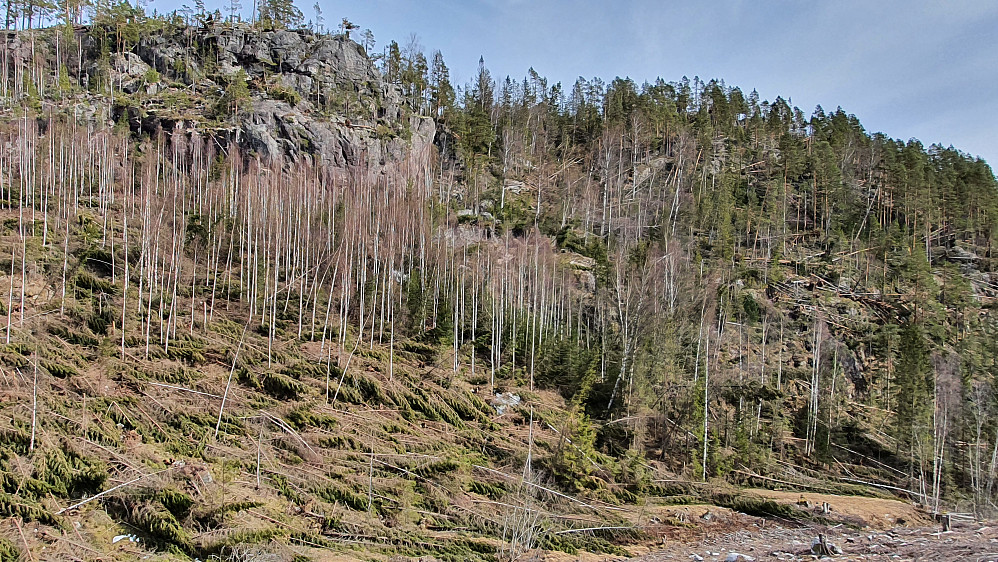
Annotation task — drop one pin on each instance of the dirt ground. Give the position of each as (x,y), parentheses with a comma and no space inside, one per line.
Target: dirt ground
(965,542)
(863,528)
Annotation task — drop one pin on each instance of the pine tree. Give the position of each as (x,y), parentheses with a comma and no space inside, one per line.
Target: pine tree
(346,26)
(280,14)
(319,20)
(236,95)
(478,134)
(912,421)
(234,7)
(392,64)
(441,92)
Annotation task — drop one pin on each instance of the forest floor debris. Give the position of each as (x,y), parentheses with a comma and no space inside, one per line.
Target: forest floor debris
(862,528)
(966,541)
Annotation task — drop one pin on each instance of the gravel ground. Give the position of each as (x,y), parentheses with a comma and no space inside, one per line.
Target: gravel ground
(967,541)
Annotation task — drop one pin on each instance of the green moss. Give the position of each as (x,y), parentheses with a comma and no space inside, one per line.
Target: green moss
(313,539)
(227,328)
(759,507)
(96,259)
(222,547)
(400,397)
(425,352)
(437,467)
(340,442)
(24,487)
(370,390)
(100,320)
(303,417)
(375,354)
(423,404)
(13,506)
(337,494)
(214,517)
(86,281)
(182,376)
(568,544)
(81,339)
(14,442)
(600,542)
(159,527)
(197,424)
(191,352)
(465,410)
(19,348)
(305,370)
(9,552)
(59,371)
(14,360)
(102,436)
(492,491)
(277,385)
(71,475)
(284,488)
(176,502)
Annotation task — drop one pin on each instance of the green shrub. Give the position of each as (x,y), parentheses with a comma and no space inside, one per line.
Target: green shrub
(285,94)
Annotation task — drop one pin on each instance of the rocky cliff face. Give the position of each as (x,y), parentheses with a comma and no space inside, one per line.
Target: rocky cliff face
(311,97)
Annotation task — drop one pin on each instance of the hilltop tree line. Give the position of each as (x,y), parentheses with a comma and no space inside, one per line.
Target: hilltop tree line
(717,282)
(266,14)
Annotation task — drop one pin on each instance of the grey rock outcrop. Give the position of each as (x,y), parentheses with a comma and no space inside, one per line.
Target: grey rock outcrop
(313,97)
(276,129)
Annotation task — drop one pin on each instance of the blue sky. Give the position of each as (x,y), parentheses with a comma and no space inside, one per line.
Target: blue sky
(914,68)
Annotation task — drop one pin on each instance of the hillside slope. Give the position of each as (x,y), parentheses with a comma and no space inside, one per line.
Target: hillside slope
(263,299)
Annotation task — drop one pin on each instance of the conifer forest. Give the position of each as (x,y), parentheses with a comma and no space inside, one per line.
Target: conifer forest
(272,291)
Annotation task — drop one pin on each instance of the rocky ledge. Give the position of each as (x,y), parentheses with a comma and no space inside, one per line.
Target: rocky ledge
(308,96)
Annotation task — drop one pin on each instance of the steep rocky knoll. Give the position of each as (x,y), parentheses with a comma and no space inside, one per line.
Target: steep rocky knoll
(200,402)
(613,311)
(307,96)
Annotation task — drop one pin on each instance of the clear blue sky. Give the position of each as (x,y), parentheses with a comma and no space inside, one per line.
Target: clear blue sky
(907,68)
(912,68)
